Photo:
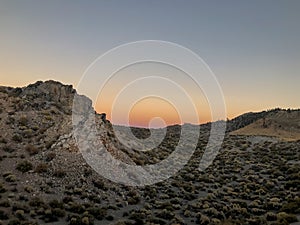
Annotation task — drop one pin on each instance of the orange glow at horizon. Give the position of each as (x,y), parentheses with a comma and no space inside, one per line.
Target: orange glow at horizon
(145,113)
(147,109)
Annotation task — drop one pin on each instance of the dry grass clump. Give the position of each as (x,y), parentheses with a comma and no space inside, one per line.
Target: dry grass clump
(32,150)
(41,168)
(24,166)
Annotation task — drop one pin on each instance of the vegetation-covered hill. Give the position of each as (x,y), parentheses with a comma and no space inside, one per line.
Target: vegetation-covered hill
(45,180)
(283,124)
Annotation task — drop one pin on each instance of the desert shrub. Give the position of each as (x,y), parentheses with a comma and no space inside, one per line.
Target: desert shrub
(56,204)
(230,222)
(42,130)
(133,200)
(270,216)
(59,173)
(165,214)
(58,212)
(77,191)
(41,168)
(50,156)
(30,223)
(94,198)
(17,138)
(14,222)
(49,216)
(292,184)
(292,206)
(137,217)
(76,208)
(67,199)
(23,121)
(10,178)
(99,184)
(32,150)
(2,188)
(18,206)
(98,213)
(28,189)
(5,204)
(8,149)
(3,215)
(49,118)
(74,220)
(20,214)
(109,218)
(49,144)
(36,202)
(86,220)
(283,217)
(10,120)
(24,166)
(3,140)
(133,197)
(27,133)
(34,128)
(87,172)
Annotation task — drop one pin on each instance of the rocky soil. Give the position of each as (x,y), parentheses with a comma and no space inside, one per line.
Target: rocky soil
(45,180)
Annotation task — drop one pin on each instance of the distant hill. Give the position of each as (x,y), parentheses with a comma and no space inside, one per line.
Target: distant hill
(280,123)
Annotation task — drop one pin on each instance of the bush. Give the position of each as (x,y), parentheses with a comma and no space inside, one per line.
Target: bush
(14,222)
(41,168)
(58,212)
(3,140)
(32,150)
(19,206)
(3,215)
(67,199)
(50,156)
(10,178)
(98,213)
(56,204)
(23,121)
(17,138)
(24,166)
(20,214)
(49,216)
(99,184)
(36,202)
(8,149)
(59,173)
(76,208)
(288,218)
(292,206)
(5,204)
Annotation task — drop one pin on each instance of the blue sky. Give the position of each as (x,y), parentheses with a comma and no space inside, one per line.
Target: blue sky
(252,46)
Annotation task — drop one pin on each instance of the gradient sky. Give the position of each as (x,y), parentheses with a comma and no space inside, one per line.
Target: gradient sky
(253,47)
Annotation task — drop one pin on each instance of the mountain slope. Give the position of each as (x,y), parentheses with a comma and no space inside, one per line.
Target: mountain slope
(282,124)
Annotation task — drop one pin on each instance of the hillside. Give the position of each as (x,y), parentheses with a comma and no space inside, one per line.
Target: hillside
(44,178)
(282,124)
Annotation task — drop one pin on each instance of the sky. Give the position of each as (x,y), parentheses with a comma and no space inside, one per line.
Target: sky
(252,47)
